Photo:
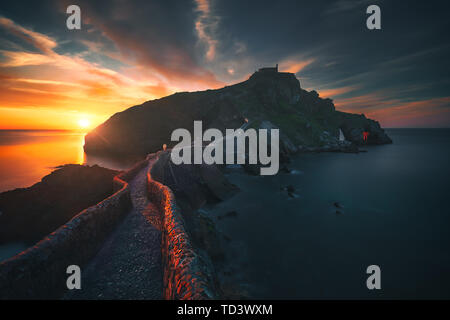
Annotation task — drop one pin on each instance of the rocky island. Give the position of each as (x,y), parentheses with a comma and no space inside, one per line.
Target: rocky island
(267,99)
(158,201)
(29,214)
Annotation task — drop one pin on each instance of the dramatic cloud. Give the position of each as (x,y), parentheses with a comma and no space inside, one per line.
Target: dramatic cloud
(294,66)
(66,82)
(424,113)
(205,25)
(128,52)
(40,41)
(332,93)
(347,5)
(157,38)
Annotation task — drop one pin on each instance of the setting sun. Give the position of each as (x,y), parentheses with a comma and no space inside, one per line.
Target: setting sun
(84,123)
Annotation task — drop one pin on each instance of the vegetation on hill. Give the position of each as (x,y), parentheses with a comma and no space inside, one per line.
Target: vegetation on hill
(303,117)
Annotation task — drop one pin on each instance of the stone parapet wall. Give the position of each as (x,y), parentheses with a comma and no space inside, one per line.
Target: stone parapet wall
(186,274)
(40,271)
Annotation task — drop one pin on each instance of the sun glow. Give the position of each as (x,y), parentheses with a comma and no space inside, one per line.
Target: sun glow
(84,123)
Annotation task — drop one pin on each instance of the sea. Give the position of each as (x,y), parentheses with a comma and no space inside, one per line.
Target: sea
(26,156)
(389,207)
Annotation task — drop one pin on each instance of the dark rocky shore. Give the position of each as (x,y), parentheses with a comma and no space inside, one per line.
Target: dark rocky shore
(29,214)
(195,187)
(268,99)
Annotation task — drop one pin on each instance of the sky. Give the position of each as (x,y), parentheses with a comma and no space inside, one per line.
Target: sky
(129,52)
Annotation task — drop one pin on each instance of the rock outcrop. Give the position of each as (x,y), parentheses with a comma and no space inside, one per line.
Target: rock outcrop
(31,213)
(274,97)
(354,125)
(189,240)
(36,273)
(195,186)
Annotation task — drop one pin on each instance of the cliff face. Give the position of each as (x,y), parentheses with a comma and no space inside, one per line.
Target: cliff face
(353,125)
(302,116)
(31,213)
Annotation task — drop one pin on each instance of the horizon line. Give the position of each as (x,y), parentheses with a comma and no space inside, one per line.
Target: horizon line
(80,130)
(38,129)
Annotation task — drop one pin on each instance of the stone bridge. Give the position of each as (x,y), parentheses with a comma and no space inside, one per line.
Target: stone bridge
(132,245)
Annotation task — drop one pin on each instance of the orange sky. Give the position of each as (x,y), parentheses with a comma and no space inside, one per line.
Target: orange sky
(42,88)
(46,89)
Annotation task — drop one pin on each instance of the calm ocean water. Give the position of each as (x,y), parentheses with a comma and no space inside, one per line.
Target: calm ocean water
(28,155)
(396,215)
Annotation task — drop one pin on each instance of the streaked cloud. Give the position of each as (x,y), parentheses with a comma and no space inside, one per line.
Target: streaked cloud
(348,5)
(423,113)
(336,92)
(131,51)
(38,40)
(205,24)
(65,82)
(294,65)
(151,44)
